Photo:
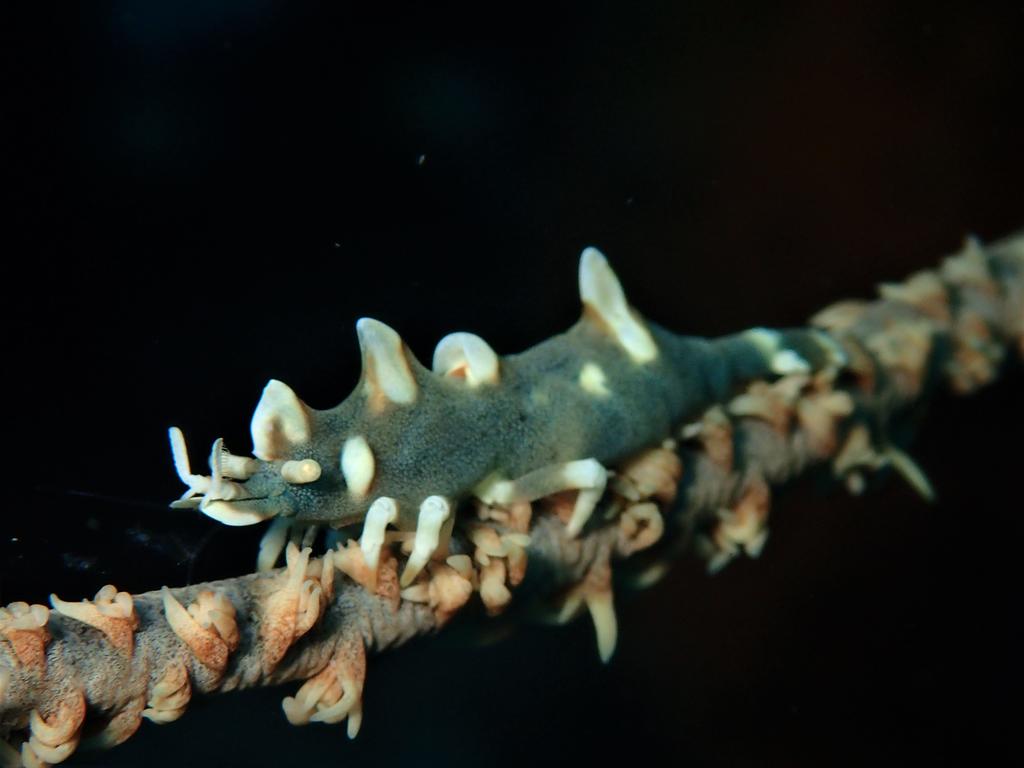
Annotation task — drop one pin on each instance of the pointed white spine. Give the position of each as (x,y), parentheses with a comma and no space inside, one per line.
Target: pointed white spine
(358,466)
(466,356)
(434,512)
(385,365)
(382,512)
(280,421)
(590,477)
(602,612)
(602,293)
(911,472)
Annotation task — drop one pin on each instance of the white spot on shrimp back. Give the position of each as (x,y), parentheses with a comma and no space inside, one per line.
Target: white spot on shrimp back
(358,466)
(300,472)
(593,380)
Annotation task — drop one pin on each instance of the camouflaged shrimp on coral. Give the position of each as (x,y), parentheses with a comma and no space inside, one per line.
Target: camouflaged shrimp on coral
(614,440)
(411,445)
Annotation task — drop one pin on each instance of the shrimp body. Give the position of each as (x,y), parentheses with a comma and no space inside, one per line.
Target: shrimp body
(410,444)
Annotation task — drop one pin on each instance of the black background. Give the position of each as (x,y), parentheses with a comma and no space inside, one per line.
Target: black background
(213,193)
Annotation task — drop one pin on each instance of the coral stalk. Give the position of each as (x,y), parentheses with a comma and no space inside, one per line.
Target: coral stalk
(88,673)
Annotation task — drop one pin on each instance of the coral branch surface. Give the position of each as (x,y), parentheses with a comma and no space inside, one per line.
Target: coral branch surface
(87,673)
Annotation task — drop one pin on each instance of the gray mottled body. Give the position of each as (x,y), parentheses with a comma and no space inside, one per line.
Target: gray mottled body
(609,388)
(453,437)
